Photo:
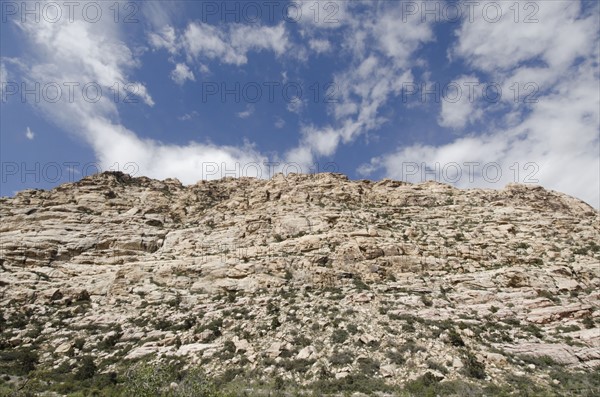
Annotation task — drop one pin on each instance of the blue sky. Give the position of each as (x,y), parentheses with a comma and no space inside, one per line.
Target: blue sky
(478,95)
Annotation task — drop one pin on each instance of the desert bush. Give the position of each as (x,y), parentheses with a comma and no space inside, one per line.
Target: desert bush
(87,368)
(455,339)
(18,362)
(472,367)
(339,336)
(154,380)
(341,358)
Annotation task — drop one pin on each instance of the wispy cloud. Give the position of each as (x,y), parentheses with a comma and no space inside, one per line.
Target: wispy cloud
(181,73)
(319,46)
(228,44)
(82,52)
(460,103)
(279,123)
(188,116)
(29,134)
(246,113)
(373,77)
(553,140)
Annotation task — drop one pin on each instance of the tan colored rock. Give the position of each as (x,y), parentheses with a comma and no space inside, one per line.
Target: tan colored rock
(63,348)
(173,270)
(306,353)
(367,339)
(274,350)
(194,348)
(241,344)
(561,353)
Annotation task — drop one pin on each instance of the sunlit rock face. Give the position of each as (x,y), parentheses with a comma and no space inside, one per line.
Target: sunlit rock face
(314,269)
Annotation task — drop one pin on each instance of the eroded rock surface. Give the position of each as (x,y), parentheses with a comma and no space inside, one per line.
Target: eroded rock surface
(259,273)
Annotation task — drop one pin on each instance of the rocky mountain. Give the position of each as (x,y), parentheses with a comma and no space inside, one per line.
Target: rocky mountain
(300,283)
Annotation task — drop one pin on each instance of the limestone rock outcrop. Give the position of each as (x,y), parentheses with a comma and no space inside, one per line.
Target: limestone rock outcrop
(302,267)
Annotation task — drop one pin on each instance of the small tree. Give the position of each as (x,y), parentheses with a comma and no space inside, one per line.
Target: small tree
(87,370)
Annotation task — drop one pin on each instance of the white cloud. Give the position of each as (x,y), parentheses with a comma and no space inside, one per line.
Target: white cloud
(377,73)
(159,14)
(279,123)
(165,38)
(399,38)
(323,143)
(189,163)
(29,134)
(208,41)
(95,52)
(228,43)
(319,46)
(188,116)
(296,105)
(232,44)
(301,155)
(459,105)
(3,77)
(246,113)
(554,140)
(320,14)
(503,45)
(140,90)
(82,52)
(181,73)
(248,37)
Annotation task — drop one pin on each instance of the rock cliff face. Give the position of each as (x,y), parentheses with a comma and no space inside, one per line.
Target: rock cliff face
(303,277)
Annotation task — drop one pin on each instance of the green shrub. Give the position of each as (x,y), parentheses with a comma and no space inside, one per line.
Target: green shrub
(341,358)
(426,300)
(275,323)
(229,346)
(534,330)
(351,383)
(437,367)
(298,365)
(18,362)
(548,295)
(153,380)
(588,322)
(79,343)
(411,347)
(352,328)
(423,386)
(87,368)
(339,336)
(539,361)
(455,339)
(472,367)
(395,357)
(359,284)
(368,366)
